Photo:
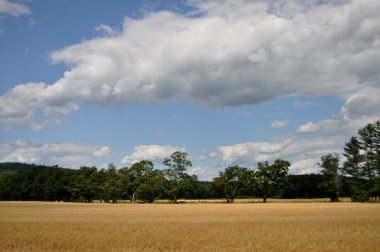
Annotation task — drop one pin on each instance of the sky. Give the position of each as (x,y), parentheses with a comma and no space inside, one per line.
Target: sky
(94,82)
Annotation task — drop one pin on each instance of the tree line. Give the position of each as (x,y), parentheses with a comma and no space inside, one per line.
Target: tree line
(141,182)
(361,166)
(358,178)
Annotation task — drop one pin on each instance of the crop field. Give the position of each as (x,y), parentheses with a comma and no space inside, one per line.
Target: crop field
(40,226)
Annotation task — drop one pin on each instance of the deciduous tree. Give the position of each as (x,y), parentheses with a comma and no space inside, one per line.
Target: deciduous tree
(176,174)
(332,173)
(231,182)
(268,178)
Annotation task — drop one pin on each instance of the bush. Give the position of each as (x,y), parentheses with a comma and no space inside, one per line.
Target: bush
(360,195)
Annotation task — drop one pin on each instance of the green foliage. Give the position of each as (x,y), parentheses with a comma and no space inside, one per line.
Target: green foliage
(360,195)
(178,181)
(152,186)
(231,182)
(331,172)
(178,162)
(352,165)
(304,186)
(9,167)
(363,161)
(268,178)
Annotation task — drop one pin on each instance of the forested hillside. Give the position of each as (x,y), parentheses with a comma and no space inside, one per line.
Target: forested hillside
(15,167)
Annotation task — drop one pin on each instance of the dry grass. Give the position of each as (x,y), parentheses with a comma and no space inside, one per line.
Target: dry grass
(257,200)
(38,226)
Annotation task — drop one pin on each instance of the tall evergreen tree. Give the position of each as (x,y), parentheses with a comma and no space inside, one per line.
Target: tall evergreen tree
(354,159)
(363,162)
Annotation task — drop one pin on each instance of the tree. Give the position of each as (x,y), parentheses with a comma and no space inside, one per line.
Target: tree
(124,183)
(268,178)
(111,187)
(84,187)
(176,174)
(304,186)
(331,172)
(367,135)
(363,162)
(231,182)
(152,186)
(352,166)
(138,174)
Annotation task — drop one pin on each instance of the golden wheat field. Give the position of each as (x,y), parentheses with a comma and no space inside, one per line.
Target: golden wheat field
(40,226)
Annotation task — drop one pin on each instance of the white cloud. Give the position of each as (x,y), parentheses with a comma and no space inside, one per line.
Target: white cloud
(106,30)
(21,104)
(151,152)
(304,166)
(204,173)
(279,124)
(12,8)
(213,155)
(308,128)
(248,154)
(358,109)
(293,149)
(104,151)
(225,53)
(64,154)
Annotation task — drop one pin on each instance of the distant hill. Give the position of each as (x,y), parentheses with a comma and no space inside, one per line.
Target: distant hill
(15,167)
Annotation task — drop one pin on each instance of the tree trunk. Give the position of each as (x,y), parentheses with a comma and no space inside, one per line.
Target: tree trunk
(230,199)
(133,197)
(265,199)
(337,196)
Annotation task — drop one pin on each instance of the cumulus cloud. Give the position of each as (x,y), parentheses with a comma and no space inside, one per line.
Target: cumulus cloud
(63,154)
(293,149)
(106,30)
(358,109)
(104,151)
(222,53)
(279,124)
(213,155)
(252,152)
(151,152)
(304,166)
(204,173)
(21,104)
(13,9)
(308,128)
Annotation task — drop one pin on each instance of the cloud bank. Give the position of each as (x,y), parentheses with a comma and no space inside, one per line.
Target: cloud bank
(64,154)
(222,53)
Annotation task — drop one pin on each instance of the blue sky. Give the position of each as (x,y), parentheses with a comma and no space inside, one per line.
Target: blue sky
(230,82)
